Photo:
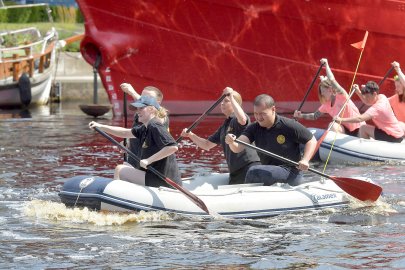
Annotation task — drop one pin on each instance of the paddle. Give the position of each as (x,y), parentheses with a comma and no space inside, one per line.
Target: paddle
(362,190)
(196,122)
(358,45)
(319,142)
(310,87)
(381,82)
(188,194)
(125,122)
(125,111)
(344,105)
(386,75)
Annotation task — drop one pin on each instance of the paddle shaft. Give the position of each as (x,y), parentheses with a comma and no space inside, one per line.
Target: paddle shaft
(310,87)
(322,138)
(286,160)
(359,189)
(125,123)
(188,194)
(202,116)
(125,111)
(344,105)
(381,82)
(386,76)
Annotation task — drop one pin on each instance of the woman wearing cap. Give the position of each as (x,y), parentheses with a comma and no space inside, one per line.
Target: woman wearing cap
(397,101)
(150,91)
(158,146)
(332,97)
(387,127)
(133,144)
(236,121)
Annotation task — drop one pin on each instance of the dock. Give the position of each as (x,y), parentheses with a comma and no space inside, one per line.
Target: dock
(75,77)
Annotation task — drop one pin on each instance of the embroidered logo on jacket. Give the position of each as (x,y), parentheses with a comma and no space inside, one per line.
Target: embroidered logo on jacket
(280,139)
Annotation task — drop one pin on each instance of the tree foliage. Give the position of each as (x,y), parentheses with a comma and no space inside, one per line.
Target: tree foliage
(35,14)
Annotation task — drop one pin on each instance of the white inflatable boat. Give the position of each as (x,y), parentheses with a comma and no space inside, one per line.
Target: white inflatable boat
(235,201)
(349,149)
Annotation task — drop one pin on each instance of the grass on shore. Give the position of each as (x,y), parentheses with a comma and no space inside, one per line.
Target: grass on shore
(65,30)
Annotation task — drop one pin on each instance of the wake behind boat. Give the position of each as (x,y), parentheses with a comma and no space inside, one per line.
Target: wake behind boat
(349,149)
(232,201)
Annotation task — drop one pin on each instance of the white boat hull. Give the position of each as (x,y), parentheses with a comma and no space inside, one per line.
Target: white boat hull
(40,90)
(235,201)
(26,68)
(349,149)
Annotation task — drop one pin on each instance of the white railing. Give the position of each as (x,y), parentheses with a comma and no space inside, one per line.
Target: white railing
(22,31)
(43,43)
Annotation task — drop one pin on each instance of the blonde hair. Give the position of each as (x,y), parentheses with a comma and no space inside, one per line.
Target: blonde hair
(156,91)
(325,83)
(237,97)
(162,112)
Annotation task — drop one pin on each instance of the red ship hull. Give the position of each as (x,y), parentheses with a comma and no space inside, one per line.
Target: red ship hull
(192,49)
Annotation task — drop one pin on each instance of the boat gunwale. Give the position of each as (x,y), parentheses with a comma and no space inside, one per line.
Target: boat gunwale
(357,153)
(136,206)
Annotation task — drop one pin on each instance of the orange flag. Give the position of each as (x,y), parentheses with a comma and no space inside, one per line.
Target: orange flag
(361,44)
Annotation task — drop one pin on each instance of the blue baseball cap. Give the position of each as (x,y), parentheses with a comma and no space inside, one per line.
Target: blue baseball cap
(144,101)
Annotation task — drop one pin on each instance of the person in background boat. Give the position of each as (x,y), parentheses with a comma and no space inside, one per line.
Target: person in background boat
(279,135)
(158,146)
(236,121)
(133,143)
(387,127)
(332,97)
(397,101)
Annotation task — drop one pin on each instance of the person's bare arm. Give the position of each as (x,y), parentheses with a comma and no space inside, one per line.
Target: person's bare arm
(113,130)
(356,119)
(309,150)
(331,77)
(200,142)
(308,116)
(127,88)
(237,109)
(164,152)
(400,74)
(233,145)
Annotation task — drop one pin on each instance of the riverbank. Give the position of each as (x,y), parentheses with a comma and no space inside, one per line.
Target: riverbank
(76,79)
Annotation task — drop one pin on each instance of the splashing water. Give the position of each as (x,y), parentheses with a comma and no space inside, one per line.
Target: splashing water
(53,211)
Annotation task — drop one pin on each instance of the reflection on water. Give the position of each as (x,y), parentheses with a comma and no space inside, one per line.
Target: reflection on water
(38,153)
(15,114)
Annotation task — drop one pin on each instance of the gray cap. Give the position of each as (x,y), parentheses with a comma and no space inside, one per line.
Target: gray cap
(144,101)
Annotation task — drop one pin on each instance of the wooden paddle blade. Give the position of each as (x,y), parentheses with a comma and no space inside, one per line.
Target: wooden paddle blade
(189,195)
(360,189)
